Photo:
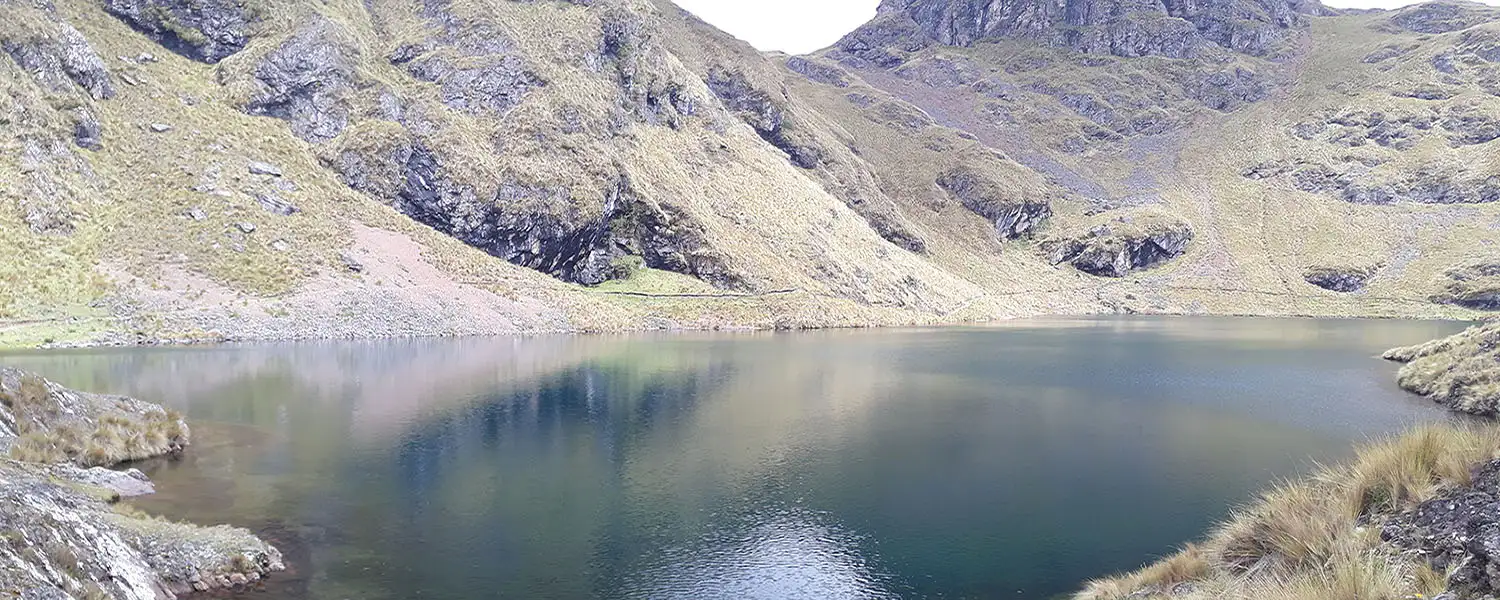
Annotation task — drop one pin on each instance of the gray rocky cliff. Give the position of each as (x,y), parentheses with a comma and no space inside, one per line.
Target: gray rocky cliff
(1129,28)
(1340,279)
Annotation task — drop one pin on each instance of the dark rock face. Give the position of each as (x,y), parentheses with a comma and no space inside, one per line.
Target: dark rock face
(305,80)
(1012,218)
(1127,28)
(514,222)
(774,120)
(647,92)
(492,88)
(764,113)
(1118,249)
(1339,279)
(1458,530)
(62,60)
(203,30)
(1358,183)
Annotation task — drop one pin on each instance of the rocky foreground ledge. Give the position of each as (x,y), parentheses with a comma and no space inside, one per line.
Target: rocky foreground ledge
(1416,517)
(63,533)
(1411,518)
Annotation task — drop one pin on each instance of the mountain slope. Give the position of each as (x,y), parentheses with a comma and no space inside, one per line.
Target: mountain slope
(271,169)
(1337,164)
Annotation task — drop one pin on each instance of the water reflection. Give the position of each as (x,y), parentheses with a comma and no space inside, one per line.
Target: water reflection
(1012,461)
(788,555)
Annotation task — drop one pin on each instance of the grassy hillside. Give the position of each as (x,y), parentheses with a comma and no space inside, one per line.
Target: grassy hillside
(1359,153)
(291,169)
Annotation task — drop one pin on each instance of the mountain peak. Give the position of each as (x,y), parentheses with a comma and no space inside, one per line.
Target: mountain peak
(1173,28)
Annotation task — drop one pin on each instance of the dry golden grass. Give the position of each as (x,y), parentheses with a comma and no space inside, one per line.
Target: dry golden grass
(1459,371)
(1319,538)
(786,227)
(47,435)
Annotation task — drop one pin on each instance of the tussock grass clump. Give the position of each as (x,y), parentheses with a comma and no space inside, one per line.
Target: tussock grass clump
(1462,371)
(55,424)
(1319,538)
(31,393)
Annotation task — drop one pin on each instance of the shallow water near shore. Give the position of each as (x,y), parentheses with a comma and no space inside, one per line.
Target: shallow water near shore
(1013,461)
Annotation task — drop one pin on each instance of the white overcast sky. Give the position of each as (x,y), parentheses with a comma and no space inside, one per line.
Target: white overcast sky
(802,26)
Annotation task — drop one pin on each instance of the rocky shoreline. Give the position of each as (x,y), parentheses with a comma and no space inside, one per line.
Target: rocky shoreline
(1461,371)
(67,536)
(1413,517)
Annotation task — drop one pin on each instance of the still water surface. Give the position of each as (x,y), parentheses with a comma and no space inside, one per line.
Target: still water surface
(1005,462)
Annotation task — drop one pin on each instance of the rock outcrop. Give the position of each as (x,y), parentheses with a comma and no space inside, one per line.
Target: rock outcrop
(1443,16)
(57,57)
(1462,372)
(1362,181)
(1340,279)
(1012,218)
(41,421)
(1475,286)
(64,536)
(1122,245)
(307,81)
(203,30)
(1458,532)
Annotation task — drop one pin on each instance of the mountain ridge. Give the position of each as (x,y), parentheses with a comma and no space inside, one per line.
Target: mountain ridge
(276,169)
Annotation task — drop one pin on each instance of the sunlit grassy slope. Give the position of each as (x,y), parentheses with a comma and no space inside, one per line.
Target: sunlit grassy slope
(818,188)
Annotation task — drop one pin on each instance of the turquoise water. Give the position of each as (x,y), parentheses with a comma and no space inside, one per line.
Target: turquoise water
(1013,461)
